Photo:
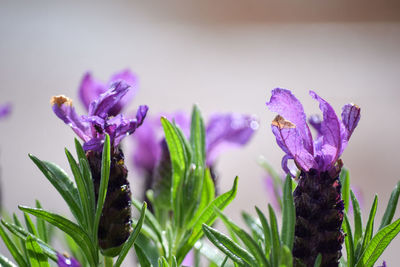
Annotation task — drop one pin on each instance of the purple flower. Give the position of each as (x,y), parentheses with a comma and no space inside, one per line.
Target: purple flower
(222,131)
(64,261)
(5,110)
(90,89)
(293,134)
(100,119)
(383,264)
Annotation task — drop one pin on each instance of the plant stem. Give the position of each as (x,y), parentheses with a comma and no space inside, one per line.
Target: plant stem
(108,261)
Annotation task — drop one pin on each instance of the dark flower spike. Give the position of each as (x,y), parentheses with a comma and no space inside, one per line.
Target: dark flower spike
(93,127)
(318,204)
(90,89)
(5,110)
(64,261)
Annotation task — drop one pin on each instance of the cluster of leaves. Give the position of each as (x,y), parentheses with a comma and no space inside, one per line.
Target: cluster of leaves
(185,199)
(35,249)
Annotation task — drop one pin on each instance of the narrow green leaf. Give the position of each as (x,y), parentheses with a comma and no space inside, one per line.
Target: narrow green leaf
(207,195)
(247,240)
(345,182)
(12,248)
(254,225)
(370,224)
(128,244)
(6,262)
(378,244)
(65,225)
(36,255)
(208,251)
(318,261)
(286,257)
(105,176)
(227,246)
(22,234)
(60,180)
(348,241)
(391,206)
(143,260)
(208,216)
(276,243)
(267,232)
(29,225)
(41,226)
(357,218)
(288,214)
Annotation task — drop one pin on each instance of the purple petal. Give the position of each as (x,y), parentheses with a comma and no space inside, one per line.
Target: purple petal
(5,110)
(288,106)
(315,121)
(62,107)
(330,130)
(63,261)
(350,118)
(383,264)
(189,259)
(90,89)
(289,139)
(228,130)
(102,105)
(131,79)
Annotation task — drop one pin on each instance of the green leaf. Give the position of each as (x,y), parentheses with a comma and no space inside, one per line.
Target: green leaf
(131,240)
(391,206)
(288,214)
(276,243)
(36,255)
(286,257)
(357,218)
(254,226)
(29,225)
(208,216)
(143,260)
(6,262)
(72,229)
(207,195)
(318,260)
(345,182)
(267,232)
(60,180)
(12,248)
(41,226)
(348,241)
(208,251)
(250,244)
(378,244)
(230,248)
(105,176)
(22,234)
(370,224)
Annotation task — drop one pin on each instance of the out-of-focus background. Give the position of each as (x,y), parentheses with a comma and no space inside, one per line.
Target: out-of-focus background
(224,56)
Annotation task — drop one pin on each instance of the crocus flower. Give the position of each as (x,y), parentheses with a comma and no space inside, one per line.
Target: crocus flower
(318,204)
(91,88)
(64,261)
(115,221)
(5,110)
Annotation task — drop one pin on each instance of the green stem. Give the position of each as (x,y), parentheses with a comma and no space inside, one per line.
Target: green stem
(108,261)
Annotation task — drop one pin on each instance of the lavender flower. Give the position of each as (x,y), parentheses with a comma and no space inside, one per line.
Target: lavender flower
(115,221)
(319,208)
(5,110)
(64,261)
(383,264)
(90,89)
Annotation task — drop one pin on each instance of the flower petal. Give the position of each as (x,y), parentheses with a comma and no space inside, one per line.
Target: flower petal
(228,130)
(315,121)
(331,132)
(63,261)
(90,89)
(350,118)
(289,139)
(62,107)
(131,79)
(288,106)
(102,105)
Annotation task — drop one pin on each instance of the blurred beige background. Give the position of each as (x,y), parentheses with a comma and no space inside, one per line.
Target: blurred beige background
(222,55)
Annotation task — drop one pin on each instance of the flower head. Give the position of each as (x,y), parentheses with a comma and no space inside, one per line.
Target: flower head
(294,137)
(100,119)
(90,89)
(64,261)
(5,110)
(222,131)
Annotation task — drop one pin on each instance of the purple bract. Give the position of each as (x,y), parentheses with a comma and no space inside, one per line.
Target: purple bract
(99,121)
(293,134)
(90,89)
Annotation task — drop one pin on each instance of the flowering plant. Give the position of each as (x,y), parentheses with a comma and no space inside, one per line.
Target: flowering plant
(182,194)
